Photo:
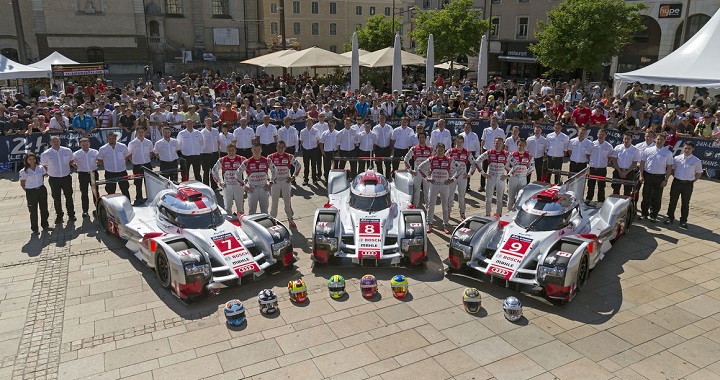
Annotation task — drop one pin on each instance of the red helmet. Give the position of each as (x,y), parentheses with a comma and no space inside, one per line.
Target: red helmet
(368,286)
(297,290)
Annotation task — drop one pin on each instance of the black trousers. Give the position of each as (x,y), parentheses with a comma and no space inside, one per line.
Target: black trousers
(245,152)
(679,189)
(600,172)
(37,198)
(328,159)
(383,152)
(169,169)
(353,164)
(311,163)
(290,150)
(576,167)
(267,149)
(138,169)
(84,179)
(208,160)
(539,169)
(399,153)
(651,194)
(627,189)
(363,164)
(124,185)
(60,186)
(555,163)
(194,161)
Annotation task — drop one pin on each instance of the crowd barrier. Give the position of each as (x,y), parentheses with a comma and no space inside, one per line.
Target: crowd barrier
(13,148)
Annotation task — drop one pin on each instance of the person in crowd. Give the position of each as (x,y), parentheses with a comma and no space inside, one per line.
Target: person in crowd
(267,135)
(83,123)
(656,165)
(141,152)
(57,161)
(166,149)
(487,142)
(599,155)
(309,139)
(439,171)
(113,156)
(466,167)
(257,187)
(32,181)
(283,170)
(522,165)
(440,134)
(210,151)
(496,174)
(687,169)
(625,160)
(190,143)
(556,148)
(225,174)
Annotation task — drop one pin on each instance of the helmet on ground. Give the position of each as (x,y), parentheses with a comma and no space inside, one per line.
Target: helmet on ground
(336,286)
(472,300)
(512,309)
(234,313)
(399,286)
(368,286)
(267,301)
(297,290)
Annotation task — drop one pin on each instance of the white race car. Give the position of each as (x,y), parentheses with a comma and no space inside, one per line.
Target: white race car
(550,240)
(193,245)
(370,219)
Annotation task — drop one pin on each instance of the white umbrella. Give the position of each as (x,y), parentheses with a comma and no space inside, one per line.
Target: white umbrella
(361,52)
(313,57)
(446,66)
(429,65)
(397,66)
(268,60)
(385,57)
(355,67)
(482,68)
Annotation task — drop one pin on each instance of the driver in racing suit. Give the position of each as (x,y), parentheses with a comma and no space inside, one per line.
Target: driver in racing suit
(464,159)
(522,164)
(440,171)
(256,185)
(230,181)
(498,165)
(420,154)
(281,177)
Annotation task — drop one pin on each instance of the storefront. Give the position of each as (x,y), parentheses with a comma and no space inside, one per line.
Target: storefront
(516,60)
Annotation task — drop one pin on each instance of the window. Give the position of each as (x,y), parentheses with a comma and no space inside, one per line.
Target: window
(333,8)
(496,2)
(10,53)
(95,54)
(314,7)
(521,32)
(495,27)
(372,11)
(426,4)
(273,28)
(387,11)
(296,7)
(273,8)
(221,8)
(174,8)
(333,29)
(358,10)
(315,29)
(333,48)
(296,28)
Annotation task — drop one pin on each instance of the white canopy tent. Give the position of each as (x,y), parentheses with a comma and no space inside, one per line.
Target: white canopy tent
(312,57)
(268,60)
(53,59)
(384,58)
(455,66)
(10,69)
(694,64)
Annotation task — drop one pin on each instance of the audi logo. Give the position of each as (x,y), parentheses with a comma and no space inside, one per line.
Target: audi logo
(500,271)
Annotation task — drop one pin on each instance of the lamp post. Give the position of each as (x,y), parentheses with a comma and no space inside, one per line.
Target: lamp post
(393,19)
(283,42)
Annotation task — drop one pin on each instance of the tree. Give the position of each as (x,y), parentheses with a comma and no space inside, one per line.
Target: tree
(376,35)
(584,34)
(456,29)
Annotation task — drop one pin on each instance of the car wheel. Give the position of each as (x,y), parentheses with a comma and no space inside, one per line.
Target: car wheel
(162,268)
(103,218)
(582,273)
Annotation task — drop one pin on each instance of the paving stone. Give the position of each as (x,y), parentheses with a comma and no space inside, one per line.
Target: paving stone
(456,362)
(337,362)
(397,344)
(526,337)
(396,313)
(489,350)
(517,366)
(411,357)
(449,317)
(81,368)
(600,346)
(192,369)
(663,365)
(307,370)
(380,367)
(307,338)
(122,322)
(243,356)
(582,368)
(138,353)
(553,354)
(428,369)
(356,324)
(638,331)
(699,351)
(702,305)
(198,338)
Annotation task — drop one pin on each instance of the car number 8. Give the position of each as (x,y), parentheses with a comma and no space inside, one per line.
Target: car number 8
(369,229)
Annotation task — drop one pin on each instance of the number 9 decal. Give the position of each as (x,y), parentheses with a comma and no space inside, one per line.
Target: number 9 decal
(515,247)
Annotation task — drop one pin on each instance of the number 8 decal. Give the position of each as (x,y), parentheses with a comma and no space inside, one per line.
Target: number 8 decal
(369,229)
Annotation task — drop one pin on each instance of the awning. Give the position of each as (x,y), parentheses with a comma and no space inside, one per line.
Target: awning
(512,58)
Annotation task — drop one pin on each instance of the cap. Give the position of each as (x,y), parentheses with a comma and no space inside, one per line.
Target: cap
(19,107)
(600,104)
(116,104)
(175,106)
(246,76)
(80,107)
(596,86)
(156,107)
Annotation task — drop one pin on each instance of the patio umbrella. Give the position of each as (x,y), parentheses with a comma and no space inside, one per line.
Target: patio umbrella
(482,68)
(355,67)
(429,66)
(385,57)
(313,57)
(361,52)
(397,66)
(268,60)
(455,66)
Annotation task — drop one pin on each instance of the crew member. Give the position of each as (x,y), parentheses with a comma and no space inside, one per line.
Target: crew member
(522,165)
(439,171)
(367,141)
(166,150)
(267,135)
(32,180)
(419,154)
(348,142)
(466,167)
(56,161)
(402,137)
(656,165)
(283,169)
(225,138)
(600,154)
(230,180)
(687,170)
(210,151)
(85,162)
(141,151)
(579,148)
(112,156)
(190,142)
(536,145)
(328,148)
(289,135)
(487,142)
(257,187)
(625,160)
(382,146)
(311,152)
(496,174)
(557,144)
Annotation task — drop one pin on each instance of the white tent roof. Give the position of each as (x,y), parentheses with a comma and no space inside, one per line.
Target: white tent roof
(10,69)
(53,59)
(361,52)
(312,57)
(384,58)
(694,64)
(268,60)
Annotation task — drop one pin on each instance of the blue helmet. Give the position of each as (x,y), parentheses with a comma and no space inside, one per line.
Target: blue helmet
(267,301)
(234,313)
(512,309)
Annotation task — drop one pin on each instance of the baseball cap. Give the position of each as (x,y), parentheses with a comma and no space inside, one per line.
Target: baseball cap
(175,106)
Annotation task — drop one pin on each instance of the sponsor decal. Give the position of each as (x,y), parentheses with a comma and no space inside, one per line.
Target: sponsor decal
(413,225)
(235,254)
(563,254)
(369,240)
(509,257)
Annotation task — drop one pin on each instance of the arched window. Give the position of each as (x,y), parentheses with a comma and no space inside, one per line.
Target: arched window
(695,23)
(154,27)
(95,54)
(10,53)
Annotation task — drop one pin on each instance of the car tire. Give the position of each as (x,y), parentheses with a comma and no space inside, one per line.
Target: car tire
(582,273)
(162,268)
(102,217)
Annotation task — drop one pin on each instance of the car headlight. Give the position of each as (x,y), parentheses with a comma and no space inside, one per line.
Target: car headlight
(323,230)
(195,269)
(416,241)
(330,241)
(465,249)
(555,271)
(278,247)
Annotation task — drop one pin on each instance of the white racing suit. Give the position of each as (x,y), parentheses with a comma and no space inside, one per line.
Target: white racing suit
(437,170)
(234,189)
(256,174)
(464,159)
(280,171)
(498,164)
(420,154)
(521,166)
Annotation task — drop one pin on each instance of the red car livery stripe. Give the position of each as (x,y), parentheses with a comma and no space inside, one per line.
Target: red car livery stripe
(369,242)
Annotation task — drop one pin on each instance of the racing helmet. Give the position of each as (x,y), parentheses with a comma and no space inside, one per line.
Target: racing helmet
(368,286)
(512,309)
(234,313)
(399,286)
(297,290)
(336,286)
(370,184)
(472,300)
(267,301)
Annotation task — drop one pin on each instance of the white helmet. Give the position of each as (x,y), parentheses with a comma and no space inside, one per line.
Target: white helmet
(267,301)
(512,309)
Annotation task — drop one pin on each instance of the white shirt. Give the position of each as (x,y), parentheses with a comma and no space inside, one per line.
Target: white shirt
(367,140)
(329,139)
(243,137)
(140,151)
(167,149)
(657,160)
(309,138)
(626,156)
(267,133)
(403,137)
(536,146)
(321,127)
(292,114)
(86,161)
(225,140)
(600,154)
(579,149)
(113,158)
(643,145)
(511,145)
(685,167)
(438,136)
(347,138)
(384,134)
(289,135)
(557,144)
(33,178)
(489,135)
(210,140)
(190,143)
(57,161)
(55,125)
(472,142)
(175,120)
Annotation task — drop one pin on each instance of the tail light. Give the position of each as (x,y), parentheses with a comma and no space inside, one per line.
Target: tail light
(321,256)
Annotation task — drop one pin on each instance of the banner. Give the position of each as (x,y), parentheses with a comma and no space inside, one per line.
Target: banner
(14,148)
(59,71)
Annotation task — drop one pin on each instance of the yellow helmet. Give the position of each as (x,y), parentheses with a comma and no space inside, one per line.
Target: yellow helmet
(297,290)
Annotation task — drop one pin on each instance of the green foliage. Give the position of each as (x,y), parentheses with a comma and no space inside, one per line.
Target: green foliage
(377,33)
(456,29)
(584,34)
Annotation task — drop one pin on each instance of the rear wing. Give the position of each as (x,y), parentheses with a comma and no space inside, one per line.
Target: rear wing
(154,182)
(576,181)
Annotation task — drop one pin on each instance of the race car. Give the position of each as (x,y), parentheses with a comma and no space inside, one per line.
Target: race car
(369,219)
(551,239)
(195,248)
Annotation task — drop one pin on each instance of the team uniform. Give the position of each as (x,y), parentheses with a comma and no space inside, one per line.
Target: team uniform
(497,165)
(234,189)
(140,151)
(557,145)
(418,154)
(521,166)
(686,168)
(600,154)
(282,167)
(256,178)
(465,161)
(166,151)
(579,150)
(439,170)
(536,147)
